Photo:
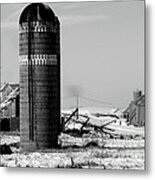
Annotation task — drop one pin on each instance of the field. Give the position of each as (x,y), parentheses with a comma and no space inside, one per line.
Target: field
(88,151)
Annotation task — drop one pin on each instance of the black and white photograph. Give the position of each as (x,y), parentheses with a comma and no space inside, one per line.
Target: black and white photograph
(72,91)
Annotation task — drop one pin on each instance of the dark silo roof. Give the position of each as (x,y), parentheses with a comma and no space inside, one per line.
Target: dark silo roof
(37,12)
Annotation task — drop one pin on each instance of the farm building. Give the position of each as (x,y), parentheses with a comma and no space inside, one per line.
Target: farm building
(9,107)
(135,113)
(6,89)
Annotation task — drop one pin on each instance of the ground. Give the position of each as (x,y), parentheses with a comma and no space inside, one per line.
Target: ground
(87,151)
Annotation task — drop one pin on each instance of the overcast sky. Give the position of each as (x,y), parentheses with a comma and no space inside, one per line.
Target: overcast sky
(102,48)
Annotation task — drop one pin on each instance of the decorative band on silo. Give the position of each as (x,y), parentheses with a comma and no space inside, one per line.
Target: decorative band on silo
(36,26)
(39,59)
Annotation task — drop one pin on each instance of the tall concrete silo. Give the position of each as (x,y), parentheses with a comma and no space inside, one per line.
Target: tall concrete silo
(39,57)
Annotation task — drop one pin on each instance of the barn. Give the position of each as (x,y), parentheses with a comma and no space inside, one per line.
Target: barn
(135,113)
(9,107)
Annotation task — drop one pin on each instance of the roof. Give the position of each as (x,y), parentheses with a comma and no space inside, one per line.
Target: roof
(127,109)
(37,12)
(14,86)
(3,87)
(10,85)
(140,101)
(9,98)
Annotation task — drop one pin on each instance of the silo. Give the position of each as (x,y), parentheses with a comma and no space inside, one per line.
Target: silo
(39,57)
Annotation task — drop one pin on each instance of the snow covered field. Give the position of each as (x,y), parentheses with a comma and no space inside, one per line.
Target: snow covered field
(93,140)
(86,153)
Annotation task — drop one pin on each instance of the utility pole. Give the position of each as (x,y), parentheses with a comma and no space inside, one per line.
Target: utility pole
(77,106)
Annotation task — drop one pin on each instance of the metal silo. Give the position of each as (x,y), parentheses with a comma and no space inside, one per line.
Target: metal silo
(39,57)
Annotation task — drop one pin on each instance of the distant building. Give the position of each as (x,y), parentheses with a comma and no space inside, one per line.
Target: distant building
(6,89)
(9,107)
(135,113)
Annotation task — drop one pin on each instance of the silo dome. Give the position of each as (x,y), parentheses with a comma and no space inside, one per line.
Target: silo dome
(37,12)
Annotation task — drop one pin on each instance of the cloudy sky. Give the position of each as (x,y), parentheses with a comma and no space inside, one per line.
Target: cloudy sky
(102,48)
